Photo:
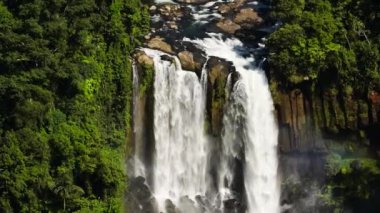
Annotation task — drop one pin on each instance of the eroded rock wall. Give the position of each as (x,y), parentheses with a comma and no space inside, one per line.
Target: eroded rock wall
(306,117)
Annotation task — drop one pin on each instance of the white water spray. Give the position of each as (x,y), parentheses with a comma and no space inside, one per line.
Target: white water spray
(181,148)
(249,119)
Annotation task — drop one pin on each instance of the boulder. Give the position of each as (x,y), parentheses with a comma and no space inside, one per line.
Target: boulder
(191,56)
(226,8)
(170,11)
(218,68)
(158,43)
(170,207)
(187,60)
(248,16)
(228,26)
(143,59)
(186,203)
(139,197)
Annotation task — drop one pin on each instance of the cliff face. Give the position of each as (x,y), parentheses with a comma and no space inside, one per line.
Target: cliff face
(307,117)
(143,109)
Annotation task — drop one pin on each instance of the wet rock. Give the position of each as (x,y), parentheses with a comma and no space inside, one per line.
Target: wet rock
(217,73)
(191,56)
(139,197)
(228,26)
(187,60)
(170,11)
(186,203)
(167,58)
(246,34)
(170,207)
(218,68)
(231,6)
(248,16)
(235,76)
(158,43)
(143,59)
(229,204)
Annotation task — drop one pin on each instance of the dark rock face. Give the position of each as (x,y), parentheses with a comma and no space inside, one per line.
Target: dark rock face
(306,117)
(143,134)
(139,197)
(217,73)
(192,57)
(170,207)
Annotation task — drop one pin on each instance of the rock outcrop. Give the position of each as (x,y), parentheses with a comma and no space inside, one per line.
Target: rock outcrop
(226,8)
(158,43)
(228,26)
(192,58)
(307,118)
(217,73)
(249,17)
(139,197)
(143,128)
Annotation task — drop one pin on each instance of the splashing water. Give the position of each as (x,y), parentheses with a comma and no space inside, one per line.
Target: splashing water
(249,125)
(181,147)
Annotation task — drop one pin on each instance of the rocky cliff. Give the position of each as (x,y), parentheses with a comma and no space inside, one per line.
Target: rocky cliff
(308,116)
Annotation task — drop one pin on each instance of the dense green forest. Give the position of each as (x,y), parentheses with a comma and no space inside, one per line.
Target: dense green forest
(327,42)
(332,47)
(66,95)
(65,100)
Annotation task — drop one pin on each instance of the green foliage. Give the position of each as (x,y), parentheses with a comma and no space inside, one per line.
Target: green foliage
(351,179)
(326,42)
(65,95)
(147,79)
(329,49)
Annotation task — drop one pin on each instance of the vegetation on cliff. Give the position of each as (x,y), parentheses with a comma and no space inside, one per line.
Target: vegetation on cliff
(65,100)
(327,52)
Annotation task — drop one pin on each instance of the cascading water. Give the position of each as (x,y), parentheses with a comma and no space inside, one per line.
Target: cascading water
(249,126)
(139,169)
(181,166)
(181,147)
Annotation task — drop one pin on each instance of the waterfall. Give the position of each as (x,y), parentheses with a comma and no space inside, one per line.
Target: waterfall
(184,175)
(249,128)
(139,168)
(181,147)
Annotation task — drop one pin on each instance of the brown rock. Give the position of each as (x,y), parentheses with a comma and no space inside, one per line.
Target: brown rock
(159,44)
(228,26)
(169,11)
(229,7)
(143,59)
(187,60)
(218,71)
(249,16)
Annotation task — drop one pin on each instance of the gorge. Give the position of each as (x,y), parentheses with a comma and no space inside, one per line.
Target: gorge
(183,173)
(190,106)
(213,147)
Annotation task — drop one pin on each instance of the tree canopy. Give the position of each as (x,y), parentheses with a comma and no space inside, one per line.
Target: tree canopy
(65,99)
(325,39)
